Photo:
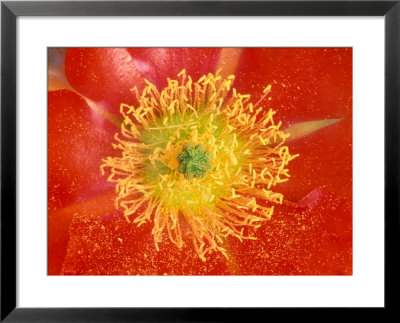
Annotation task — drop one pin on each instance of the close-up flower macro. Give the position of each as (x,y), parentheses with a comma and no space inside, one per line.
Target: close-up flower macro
(200,161)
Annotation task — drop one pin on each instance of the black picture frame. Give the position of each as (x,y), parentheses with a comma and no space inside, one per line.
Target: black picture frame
(11,10)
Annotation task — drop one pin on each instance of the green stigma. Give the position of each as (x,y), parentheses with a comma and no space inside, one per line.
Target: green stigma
(194,161)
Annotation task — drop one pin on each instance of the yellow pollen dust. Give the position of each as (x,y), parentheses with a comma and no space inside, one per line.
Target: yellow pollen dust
(247,154)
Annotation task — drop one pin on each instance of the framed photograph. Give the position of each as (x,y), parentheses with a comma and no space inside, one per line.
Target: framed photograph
(198,161)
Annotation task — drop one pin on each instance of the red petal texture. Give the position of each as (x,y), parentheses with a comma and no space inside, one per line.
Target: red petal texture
(325,160)
(56,69)
(312,238)
(78,138)
(59,222)
(109,245)
(307,83)
(156,64)
(104,75)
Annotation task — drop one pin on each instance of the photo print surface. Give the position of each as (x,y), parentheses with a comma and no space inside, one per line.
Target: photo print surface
(200,161)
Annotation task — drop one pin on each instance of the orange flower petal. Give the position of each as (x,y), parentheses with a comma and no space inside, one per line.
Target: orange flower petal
(325,160)
(306,83)
(109,245)
(78,138)
(59,222)
(313,237)
(104,75)
(156,64)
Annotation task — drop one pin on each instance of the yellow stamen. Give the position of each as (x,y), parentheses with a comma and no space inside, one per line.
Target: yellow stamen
(247,153)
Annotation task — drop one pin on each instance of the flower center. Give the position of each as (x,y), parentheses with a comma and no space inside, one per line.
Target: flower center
(194,161)
(199,153)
